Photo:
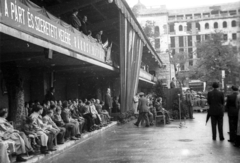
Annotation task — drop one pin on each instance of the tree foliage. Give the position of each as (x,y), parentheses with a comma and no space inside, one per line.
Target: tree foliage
(179,59)
(215,55)
(148,28)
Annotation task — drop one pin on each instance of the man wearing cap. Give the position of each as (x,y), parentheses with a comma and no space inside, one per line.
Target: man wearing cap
(143,110)
(215,100)
(232,113)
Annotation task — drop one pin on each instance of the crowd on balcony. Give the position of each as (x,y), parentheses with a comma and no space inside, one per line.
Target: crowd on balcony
(51,123)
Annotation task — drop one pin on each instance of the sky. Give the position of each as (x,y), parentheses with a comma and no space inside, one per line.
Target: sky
(173,4)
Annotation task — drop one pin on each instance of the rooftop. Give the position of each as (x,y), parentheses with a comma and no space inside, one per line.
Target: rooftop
(198,9)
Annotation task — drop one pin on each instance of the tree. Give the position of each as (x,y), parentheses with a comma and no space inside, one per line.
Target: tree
(148,28)
(14,84)
(215,55)
(179,59)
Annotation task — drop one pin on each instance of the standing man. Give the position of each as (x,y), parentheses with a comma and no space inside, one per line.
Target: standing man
(99,36)
(135,104)
(50,95)
(215,100)
(172,84)
(108,101)
(76,23)
(143,110)
(84,28)
(189,99)
(232,113)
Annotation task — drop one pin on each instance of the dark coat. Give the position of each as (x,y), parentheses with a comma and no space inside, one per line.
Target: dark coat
(49,97)
(84,29)
(215,100)
(231,104)
(143,105)
(172,84)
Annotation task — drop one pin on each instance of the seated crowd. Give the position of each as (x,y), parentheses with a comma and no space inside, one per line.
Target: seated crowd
(49,124)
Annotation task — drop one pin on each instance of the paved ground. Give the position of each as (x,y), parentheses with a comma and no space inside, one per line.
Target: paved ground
(162,144)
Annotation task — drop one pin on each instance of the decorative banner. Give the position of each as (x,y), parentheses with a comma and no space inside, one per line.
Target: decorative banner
(130,61)
(29,20)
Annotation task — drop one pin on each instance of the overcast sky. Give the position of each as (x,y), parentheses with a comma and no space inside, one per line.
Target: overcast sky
(172,4)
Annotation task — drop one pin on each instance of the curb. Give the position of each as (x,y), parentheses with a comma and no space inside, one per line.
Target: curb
(67,145)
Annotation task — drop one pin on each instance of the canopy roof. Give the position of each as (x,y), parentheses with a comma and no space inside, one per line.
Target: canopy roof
(102,15)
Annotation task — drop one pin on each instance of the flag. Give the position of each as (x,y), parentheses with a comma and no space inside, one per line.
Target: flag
(105,45)
(108,57)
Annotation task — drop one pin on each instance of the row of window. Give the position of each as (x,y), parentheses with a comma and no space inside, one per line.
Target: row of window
(224,24)
(189,26)
(198,38)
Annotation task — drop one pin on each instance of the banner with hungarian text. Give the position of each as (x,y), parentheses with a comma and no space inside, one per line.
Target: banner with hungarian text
(32,19)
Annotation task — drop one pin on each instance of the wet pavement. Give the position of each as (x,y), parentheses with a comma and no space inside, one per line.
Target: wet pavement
(157,144)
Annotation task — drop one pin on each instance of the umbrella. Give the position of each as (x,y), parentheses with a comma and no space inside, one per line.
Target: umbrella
(208,116)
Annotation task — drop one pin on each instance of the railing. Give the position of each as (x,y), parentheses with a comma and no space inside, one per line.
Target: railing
(145,75)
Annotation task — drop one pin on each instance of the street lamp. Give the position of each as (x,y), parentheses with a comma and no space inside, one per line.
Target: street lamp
(170,58)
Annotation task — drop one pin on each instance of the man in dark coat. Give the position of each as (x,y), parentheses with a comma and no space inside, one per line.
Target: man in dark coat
(215,101)
(232,113)
(83,27)
(143,110)
(172,84)
(50,95)
(76,23)
(108,101)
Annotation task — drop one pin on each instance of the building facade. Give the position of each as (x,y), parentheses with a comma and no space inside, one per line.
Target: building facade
(181,29)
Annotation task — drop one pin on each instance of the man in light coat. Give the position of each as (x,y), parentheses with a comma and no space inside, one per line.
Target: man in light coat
(143,109)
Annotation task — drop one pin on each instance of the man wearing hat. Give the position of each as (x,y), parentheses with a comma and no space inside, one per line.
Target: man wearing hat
(232,113)
(143,110)
(215,100)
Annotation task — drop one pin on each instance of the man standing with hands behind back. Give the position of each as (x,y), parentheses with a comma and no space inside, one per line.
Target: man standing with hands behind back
(108,101)
(143,110)
(215,101)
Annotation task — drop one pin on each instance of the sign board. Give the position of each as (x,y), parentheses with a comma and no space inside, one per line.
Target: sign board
(30,20)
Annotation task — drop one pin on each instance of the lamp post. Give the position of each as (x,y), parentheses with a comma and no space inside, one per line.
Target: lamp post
(170,57)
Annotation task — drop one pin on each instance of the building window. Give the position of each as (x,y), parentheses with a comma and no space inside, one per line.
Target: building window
(234,36)
(165,29)
(198,26)
(171,28)
(189,40)
(206,26)
(180,28)
(215,25)
(172,42)
(233,12)
(234,24)
(225,37)
(157,31)
(224,24)
(181,50)
(182,67)
(157,43)
(190,54)
(207,37)
(189,26)
(173,52)
(198,38)
(191,63)
(181,41)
